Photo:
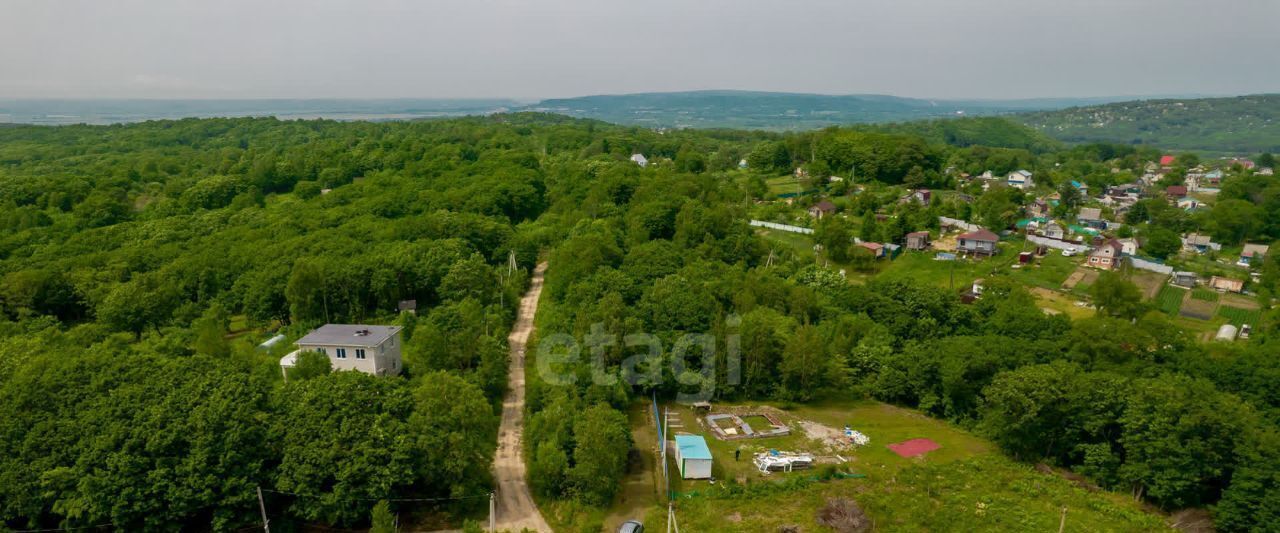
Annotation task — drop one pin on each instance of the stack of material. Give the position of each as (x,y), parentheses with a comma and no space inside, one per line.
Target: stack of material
(856,436)
(775,461)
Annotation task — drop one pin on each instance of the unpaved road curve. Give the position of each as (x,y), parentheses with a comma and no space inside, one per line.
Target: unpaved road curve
(515,507)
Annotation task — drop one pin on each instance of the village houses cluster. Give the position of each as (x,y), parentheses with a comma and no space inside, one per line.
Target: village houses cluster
(1091,231)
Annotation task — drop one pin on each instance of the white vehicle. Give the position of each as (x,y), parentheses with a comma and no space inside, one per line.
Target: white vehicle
(1068,252)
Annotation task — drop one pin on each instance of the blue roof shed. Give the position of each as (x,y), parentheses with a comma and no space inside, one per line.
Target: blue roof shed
(693,457)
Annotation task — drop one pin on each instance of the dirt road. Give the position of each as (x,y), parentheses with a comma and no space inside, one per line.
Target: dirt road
(515,507)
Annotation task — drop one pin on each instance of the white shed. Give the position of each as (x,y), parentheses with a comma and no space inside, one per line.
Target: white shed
(693,457)
(1227,332)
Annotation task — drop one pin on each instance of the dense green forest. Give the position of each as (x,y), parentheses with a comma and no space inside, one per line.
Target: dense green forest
(140,265)
(1241,124)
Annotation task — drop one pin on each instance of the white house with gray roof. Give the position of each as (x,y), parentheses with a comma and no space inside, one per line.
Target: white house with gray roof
(370,349)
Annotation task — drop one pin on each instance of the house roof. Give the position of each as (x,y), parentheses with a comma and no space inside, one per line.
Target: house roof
(825,205)
(1113,244)
(1215,280)
(917,234)
(873,246)
(980,235)
(1166,160)
(693,447)
(1251,249)
(1090,213)
(1197,239)
(348,335)
(1179,190)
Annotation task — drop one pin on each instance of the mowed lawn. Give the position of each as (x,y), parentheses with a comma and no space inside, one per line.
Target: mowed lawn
(966,485)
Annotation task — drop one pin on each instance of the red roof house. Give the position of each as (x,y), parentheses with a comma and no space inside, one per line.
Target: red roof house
(876,248)
(1176,191)
(1167,160)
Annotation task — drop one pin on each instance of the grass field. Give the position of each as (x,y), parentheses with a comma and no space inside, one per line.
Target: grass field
(921,267)
(1060,303)
(799,244)
(783,185)
(1169,299)
(966,485)
(1048,272)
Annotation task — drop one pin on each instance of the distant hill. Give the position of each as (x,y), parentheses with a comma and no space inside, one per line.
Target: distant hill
(1002,132)
(116,111)
(781,111)
(1242,124)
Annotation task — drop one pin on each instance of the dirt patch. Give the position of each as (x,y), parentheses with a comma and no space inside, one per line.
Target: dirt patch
(945,243)
(1243,302)
(1193,308)
(1081,275)
(831,438)
(1149,282)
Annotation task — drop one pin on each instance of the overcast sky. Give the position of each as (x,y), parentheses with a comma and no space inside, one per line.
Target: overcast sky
(551,48)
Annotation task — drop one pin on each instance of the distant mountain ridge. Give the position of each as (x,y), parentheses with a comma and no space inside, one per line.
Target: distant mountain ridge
(782,111)
(1239,124)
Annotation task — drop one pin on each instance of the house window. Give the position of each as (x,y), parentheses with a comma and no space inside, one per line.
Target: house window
(359,353)
(342,353)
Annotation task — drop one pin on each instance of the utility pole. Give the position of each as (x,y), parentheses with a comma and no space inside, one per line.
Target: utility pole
(262,506)
(492,518)
(1062,525)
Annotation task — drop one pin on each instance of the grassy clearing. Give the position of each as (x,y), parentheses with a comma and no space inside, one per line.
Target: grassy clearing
(922,268)
(783,185)
(966,485)
(757,422)
(799,244)
(1169,299)
(1237,316)
(1048,272)
(1059,303)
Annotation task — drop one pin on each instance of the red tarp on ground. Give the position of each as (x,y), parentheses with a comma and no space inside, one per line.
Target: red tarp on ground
(914,447)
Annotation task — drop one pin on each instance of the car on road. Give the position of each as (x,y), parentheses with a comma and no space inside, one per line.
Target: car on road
(1068,252)
(631,526)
